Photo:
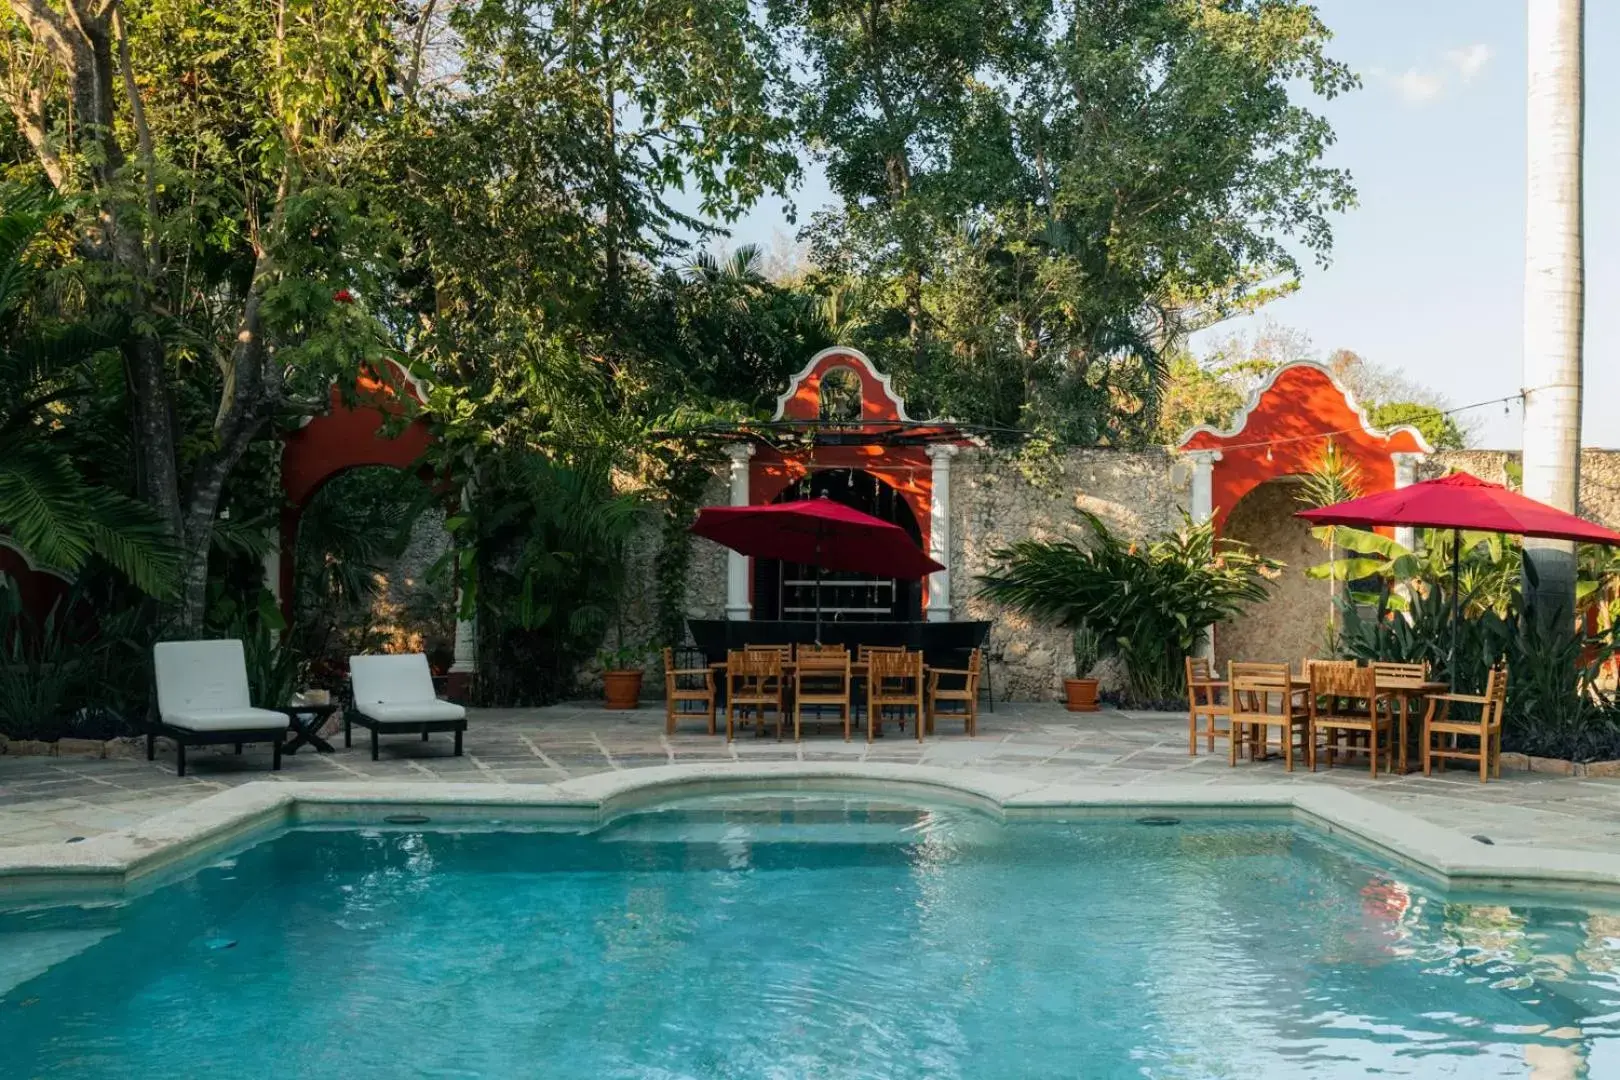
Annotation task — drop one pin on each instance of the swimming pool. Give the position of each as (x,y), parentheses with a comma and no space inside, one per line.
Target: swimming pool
(807,937)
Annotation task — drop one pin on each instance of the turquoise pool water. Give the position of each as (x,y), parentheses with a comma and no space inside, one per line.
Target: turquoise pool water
(807,939)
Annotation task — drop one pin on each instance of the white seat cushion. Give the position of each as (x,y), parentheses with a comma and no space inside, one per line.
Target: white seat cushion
(411,712)
(240,719)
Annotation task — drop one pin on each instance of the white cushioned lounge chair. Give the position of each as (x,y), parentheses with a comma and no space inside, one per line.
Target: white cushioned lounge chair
(393,695)
(203,700)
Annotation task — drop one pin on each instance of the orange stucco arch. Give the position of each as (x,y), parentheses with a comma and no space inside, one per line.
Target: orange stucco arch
(1283,431)
(353,433)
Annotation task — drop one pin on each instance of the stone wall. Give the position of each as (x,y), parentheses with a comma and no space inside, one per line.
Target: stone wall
(705,591)
(995,503)
(996,500)
(1292,622)
(1600,476)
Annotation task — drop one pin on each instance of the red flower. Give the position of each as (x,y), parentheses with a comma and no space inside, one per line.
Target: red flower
(343,296)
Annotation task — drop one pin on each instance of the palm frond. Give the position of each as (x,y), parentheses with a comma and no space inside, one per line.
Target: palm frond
(42,505)
(129,536)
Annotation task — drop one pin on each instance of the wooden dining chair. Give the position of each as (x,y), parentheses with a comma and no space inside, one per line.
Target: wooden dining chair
(1487,729)
(1346,717)
(1204,702)
(961,700)
(686,686)
(894,684)
(821,679)
(1400,672)
(1257,690)
(753,684)
(784,651)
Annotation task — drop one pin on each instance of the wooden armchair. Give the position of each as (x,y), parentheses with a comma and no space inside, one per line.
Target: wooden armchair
(683,686)
(1345,715)
(753,684)
(821,679)
(894,683)
(961,701)
(1487,729)
(1203,702)
(1256,689)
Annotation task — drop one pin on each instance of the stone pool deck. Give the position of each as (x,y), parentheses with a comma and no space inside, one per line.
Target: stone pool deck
(46,799)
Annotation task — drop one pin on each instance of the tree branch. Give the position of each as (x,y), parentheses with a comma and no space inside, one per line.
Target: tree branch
(143,134)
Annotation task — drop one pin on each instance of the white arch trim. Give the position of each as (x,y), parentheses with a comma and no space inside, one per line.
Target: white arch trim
(856,356)
(33,567)
(1242,420)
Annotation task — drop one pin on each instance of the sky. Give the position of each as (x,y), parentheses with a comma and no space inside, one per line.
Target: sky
(1427,272)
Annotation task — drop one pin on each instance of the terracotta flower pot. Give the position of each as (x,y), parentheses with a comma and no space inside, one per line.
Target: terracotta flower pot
(1080,695)
(621,689)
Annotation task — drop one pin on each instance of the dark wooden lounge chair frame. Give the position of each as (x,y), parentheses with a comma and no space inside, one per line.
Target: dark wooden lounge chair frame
(182,738)
(353,715)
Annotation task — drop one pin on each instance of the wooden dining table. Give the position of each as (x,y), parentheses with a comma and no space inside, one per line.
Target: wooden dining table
(1401,690)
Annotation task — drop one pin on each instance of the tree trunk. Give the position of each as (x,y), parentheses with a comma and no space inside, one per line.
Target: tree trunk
(1553,288)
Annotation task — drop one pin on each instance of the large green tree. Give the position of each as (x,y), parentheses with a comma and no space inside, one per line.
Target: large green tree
(1101,176)
(204,149)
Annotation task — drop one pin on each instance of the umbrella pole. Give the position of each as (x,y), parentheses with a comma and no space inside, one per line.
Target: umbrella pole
(1456,563)
(818,586)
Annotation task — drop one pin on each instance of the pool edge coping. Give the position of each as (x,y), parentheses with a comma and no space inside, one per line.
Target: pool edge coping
(113,861)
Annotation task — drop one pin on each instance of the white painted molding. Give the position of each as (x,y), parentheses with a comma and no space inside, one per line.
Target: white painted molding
(33,567)
(854,355)
(1242,420)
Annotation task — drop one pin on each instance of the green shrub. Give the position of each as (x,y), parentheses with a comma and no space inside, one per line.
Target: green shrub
(1149,603)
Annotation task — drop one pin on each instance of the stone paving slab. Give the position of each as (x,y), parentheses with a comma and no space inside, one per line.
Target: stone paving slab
(46,800)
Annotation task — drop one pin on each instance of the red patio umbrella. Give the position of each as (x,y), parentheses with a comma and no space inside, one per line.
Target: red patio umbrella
(817,532)
(1459,502)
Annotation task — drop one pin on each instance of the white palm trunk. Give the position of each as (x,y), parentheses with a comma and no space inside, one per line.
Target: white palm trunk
(1553,283)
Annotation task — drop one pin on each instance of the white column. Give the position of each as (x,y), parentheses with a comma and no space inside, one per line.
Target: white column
(1202,504)
(1201,507)
(1405,476)
(272,564)
(939,533)
(737,606)
(466,647)
(272,571)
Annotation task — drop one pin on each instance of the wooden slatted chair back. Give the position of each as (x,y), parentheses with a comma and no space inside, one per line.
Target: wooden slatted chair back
(785,652)
(1496,686)
(864,652)
(754,674)
(823,652)
(1397,672)
(1343,679)
(1254,686)
(1198,670)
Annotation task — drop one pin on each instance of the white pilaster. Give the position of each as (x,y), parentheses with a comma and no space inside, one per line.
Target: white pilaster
(737,606)
(939,533)
(466,646)
(272,564)
(1202,503)
(1201,507)
(1405,476)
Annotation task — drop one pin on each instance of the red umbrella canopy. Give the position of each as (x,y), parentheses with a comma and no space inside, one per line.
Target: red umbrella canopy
(1461,501)
(816,532)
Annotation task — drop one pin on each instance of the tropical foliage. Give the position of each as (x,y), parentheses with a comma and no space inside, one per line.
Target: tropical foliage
(238,203)
(1149,603)
(49,510)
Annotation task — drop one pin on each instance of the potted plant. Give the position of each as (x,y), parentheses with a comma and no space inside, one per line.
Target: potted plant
(621,675)
(1080,692)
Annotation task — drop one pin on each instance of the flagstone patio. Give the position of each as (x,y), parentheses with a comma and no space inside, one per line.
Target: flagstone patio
(46,800)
